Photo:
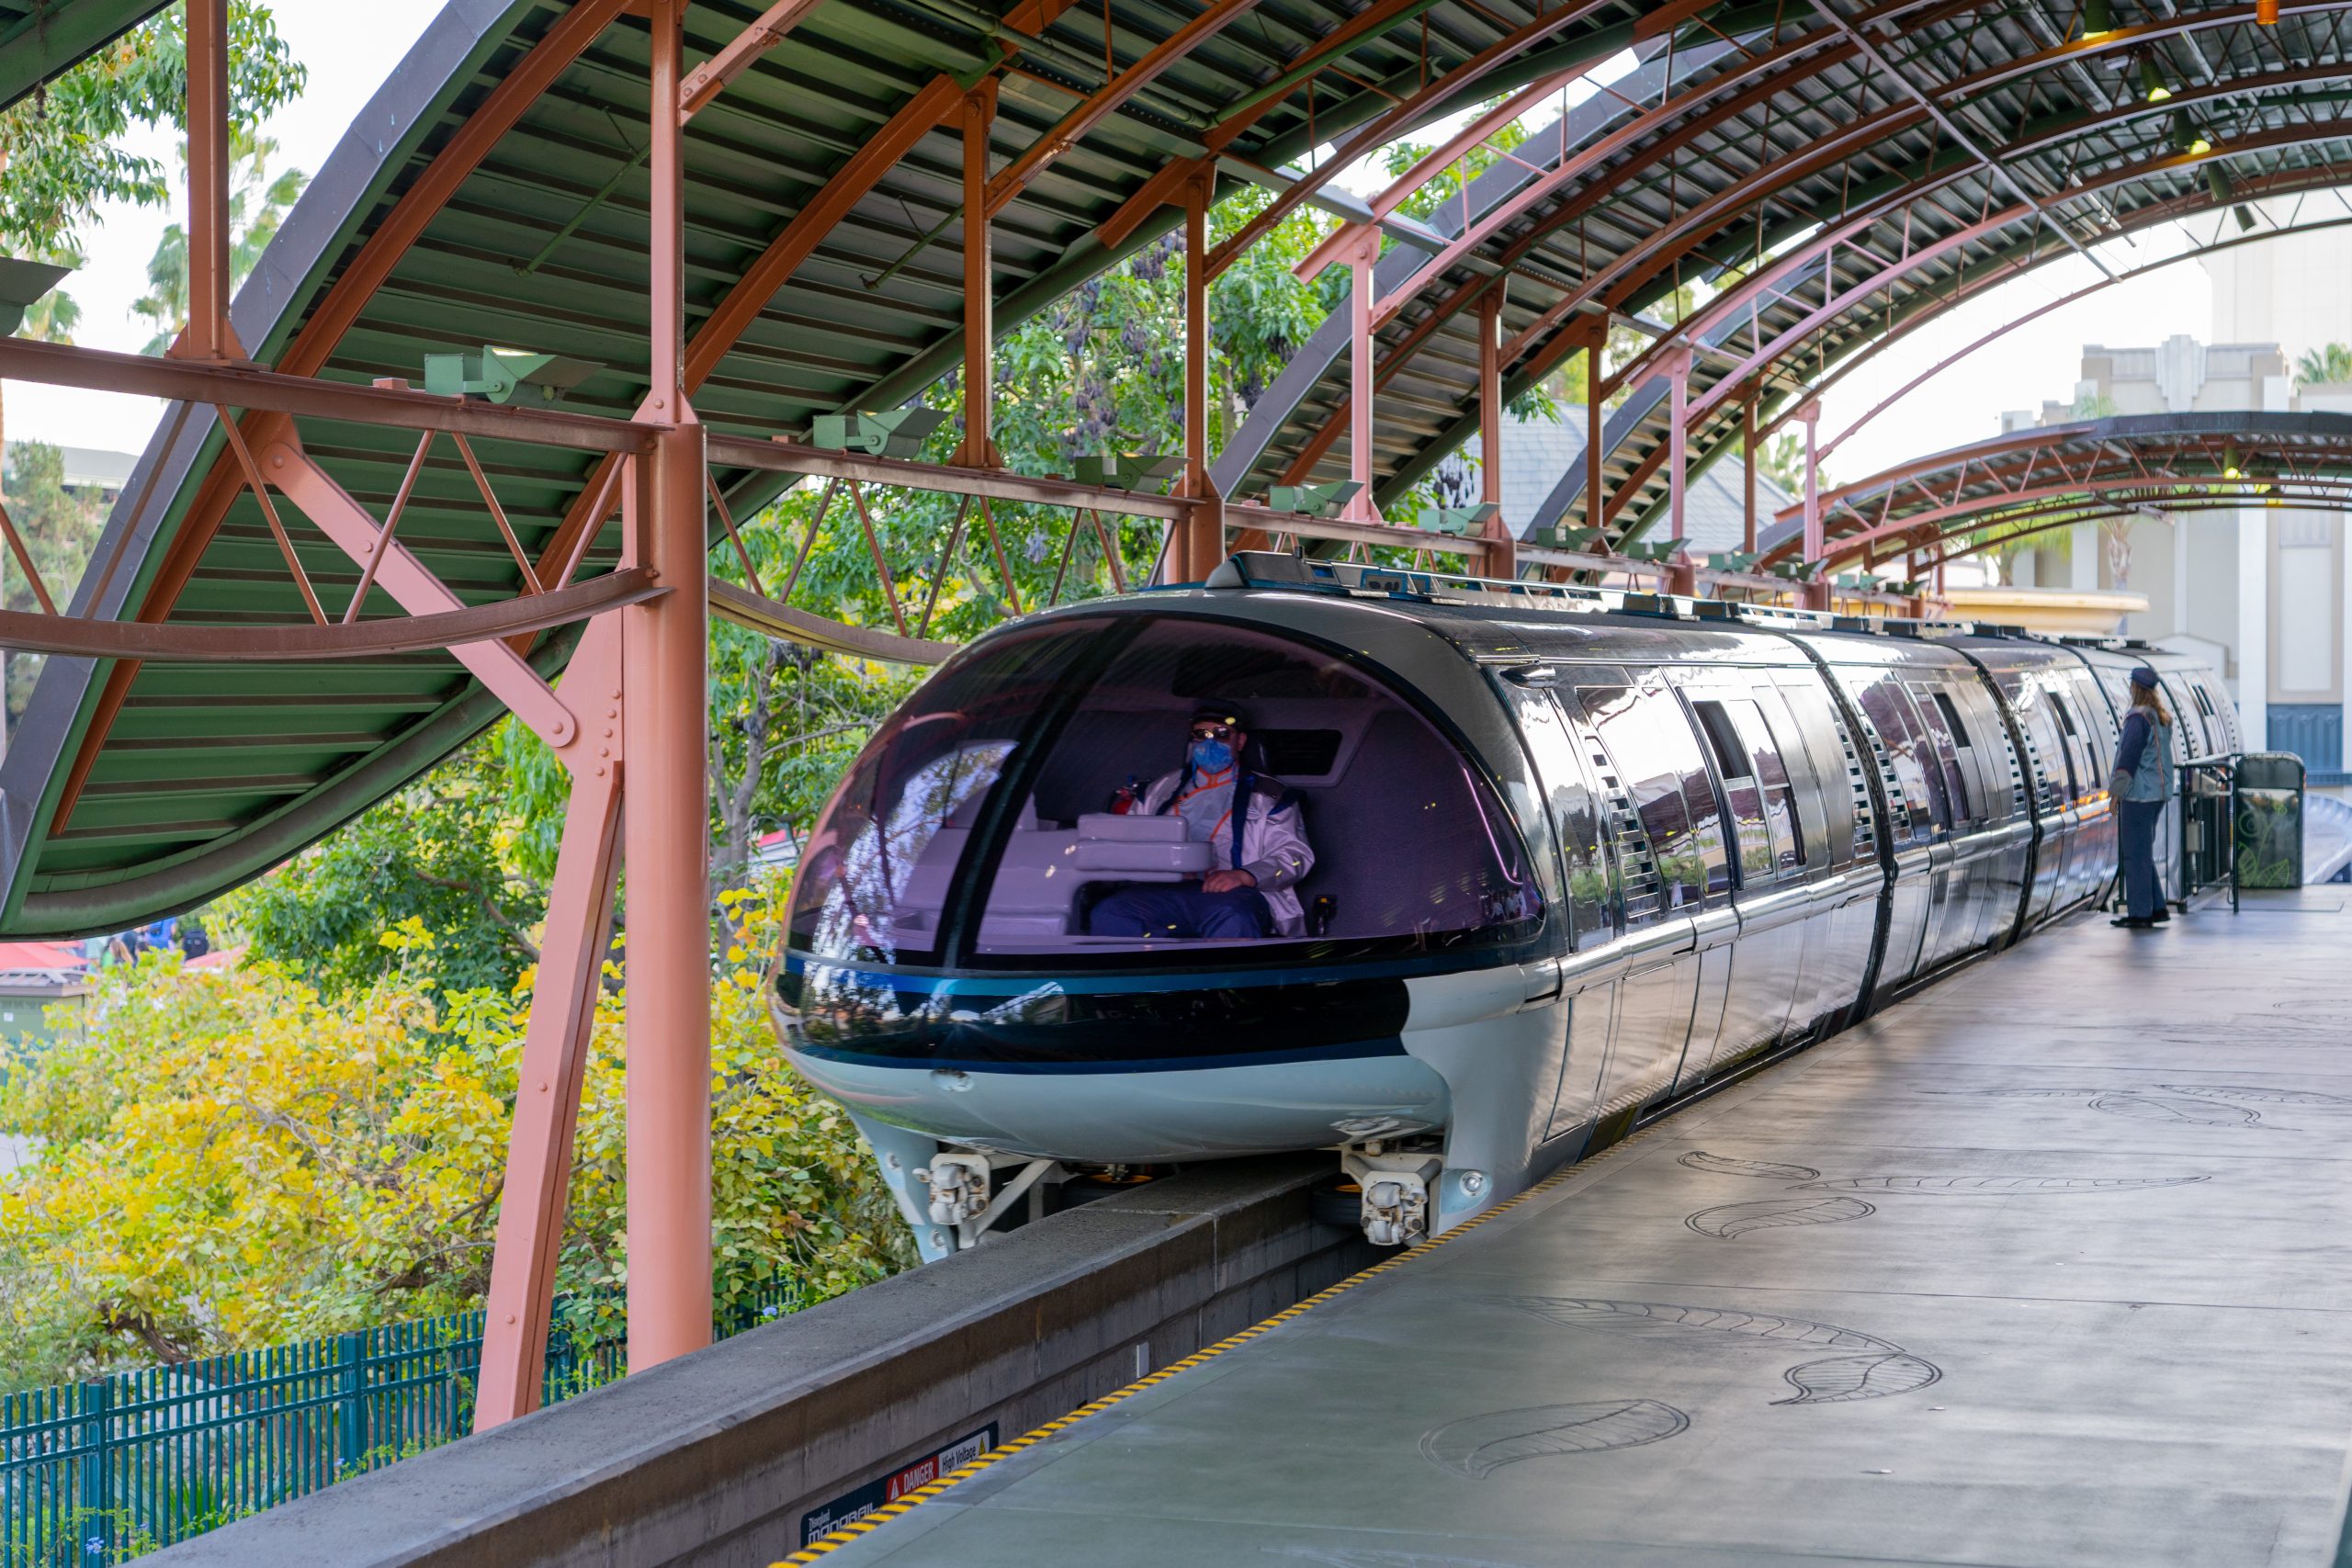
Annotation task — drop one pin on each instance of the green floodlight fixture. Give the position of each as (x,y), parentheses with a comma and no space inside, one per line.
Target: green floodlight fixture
(1120,471)
(898,433)
(1458,519)
(22,284)
(2217,180)
(1732,560)
(1797,571)
(497,375)
(1560,537)
(2244,216)
(1660,551)
(2186,138)
(2098,17)
(1312,500)
(2152,85)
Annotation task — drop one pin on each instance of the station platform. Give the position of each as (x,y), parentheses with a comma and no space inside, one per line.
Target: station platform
(2049,1263)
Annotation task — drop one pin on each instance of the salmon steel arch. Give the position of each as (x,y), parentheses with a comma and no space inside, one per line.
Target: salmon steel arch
(1938,508)
(736,218)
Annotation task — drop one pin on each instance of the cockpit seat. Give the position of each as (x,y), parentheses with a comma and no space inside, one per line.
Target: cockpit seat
(1138,848)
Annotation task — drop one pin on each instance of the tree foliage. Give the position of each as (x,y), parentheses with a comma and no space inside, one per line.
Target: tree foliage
(60,529)
(435,858)
(2329,365)
(63,148)
(228,1159)
(258,202)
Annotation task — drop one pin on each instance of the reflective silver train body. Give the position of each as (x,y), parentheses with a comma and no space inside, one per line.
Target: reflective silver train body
(1571,865)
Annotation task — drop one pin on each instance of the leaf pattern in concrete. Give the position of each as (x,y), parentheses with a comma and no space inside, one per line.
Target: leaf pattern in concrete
(1722,1164)
(1730,1220)
(1995,1186)
(1480,1444)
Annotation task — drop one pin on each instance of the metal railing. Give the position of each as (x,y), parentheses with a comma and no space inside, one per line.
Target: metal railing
(2208,818)
(101,1472)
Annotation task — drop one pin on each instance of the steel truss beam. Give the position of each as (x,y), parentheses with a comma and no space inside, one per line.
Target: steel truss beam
(2147,462)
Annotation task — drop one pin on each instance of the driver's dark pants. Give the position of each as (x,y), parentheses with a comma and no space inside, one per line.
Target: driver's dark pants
(1181,912)
(2136,827)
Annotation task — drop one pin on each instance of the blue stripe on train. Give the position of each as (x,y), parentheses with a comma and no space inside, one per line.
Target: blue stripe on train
(1357,1051)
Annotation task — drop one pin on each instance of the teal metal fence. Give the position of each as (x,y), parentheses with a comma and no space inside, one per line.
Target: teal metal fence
(104,1471)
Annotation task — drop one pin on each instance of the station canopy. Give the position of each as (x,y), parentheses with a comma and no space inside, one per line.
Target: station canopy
(1823,179)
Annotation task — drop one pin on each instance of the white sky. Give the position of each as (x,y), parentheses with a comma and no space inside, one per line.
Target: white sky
(349,50)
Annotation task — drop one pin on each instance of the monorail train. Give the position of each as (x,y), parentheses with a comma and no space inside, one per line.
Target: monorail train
(1576,855)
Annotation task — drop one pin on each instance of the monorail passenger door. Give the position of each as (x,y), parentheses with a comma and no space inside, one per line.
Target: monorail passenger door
(1978,880)
(2091,854)
(1767,865)
(1563,749)
(1841,829)
(1677,924)
(1914,795)
(2054,797)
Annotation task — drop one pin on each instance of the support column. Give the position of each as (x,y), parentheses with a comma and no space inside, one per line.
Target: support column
(1502,561)
(666,838)
(1676,368)
(2343,633)
(978,449)
(208,335)
(1747,466)
(556,1045)
(1200,534)
(2082,558)
(1361,287)
(1817,545)
(2253,626)
(2180,578)
(1596,508)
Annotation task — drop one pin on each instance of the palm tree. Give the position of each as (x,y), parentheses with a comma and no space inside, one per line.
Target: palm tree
(2331,364)
(257,205)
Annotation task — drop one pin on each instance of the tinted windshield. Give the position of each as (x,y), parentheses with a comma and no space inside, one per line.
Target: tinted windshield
(874,877)
(1175,785)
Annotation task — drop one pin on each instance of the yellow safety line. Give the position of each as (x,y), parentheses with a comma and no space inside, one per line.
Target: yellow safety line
(868,1524)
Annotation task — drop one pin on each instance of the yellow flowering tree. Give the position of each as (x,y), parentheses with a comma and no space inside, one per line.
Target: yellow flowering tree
(225,1160)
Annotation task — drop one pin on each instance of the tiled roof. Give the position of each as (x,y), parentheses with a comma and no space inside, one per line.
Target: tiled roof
(1536,452)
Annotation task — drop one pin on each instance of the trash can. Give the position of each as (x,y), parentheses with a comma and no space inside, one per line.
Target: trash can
(2269,828)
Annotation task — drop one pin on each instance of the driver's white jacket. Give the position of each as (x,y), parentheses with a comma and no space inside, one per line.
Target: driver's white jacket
(1273,834)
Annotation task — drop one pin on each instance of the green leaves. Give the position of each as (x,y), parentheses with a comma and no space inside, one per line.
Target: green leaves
(228,1159)
(63,148)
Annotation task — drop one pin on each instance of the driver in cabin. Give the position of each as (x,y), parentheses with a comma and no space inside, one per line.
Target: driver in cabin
(1250,893)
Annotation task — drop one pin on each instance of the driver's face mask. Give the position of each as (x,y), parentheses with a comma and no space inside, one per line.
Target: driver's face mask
(1212,749)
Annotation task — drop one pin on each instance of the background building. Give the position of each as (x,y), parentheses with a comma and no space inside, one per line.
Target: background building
(2209,576)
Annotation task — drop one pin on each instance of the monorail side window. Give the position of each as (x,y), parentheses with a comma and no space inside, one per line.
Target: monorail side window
(1827,762)
(2075,788)
(1915,770)
(1948,737)
(2046,744)
(1772,778)
(1657,761)
(1743,796)
(875,875)
(1591,886)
